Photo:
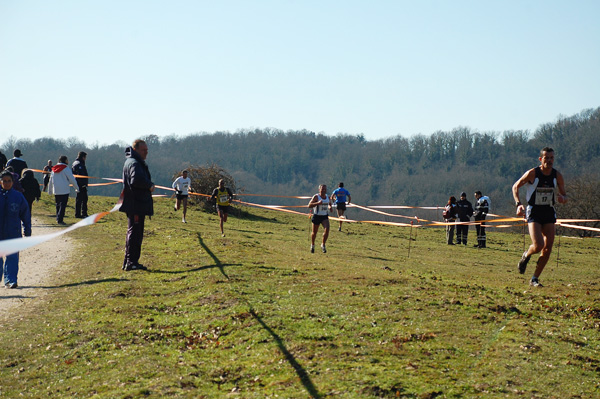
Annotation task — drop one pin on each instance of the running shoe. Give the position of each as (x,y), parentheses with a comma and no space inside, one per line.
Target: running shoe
(323,248)
(523,262)
(134,266)
(312,249)
(535,282)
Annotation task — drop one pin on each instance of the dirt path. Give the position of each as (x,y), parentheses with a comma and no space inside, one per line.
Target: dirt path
(37,266)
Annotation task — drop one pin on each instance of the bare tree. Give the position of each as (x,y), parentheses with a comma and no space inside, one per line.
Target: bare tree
(583,193)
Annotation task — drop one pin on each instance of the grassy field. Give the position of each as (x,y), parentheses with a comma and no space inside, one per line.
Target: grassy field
(255,315)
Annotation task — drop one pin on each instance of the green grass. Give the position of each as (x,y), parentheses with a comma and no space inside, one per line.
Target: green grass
(255,315)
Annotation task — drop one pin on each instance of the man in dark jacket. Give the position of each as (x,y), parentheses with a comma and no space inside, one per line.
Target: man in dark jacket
(17,163)
(465,211)
(14,212)
(137,201)
(79,169)
(3,161)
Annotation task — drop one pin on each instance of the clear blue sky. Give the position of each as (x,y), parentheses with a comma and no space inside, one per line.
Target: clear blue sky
(110,70)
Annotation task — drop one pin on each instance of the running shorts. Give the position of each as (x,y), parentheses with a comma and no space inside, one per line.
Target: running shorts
(223,208)
(541,214)
(318,219)
(341,206)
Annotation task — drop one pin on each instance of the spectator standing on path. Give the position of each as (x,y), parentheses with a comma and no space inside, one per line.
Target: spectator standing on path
(465,211)
(137,201)
(14,212)
(542,184)
(322,205)
(31,188)
(81,201)
(482,208)
(47,170)
(449,214)
(3,161)
(182,186)
(339,196)
(58,185)
(17,163)
(223,196)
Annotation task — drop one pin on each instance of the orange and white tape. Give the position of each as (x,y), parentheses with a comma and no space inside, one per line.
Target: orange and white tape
(14,245)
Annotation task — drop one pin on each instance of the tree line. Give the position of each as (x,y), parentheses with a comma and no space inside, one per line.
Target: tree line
(422,170)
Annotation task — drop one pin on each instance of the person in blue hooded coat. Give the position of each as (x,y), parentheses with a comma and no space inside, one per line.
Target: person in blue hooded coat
(14,212)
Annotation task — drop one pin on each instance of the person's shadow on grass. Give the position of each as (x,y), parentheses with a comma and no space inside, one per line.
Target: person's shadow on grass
(300,371)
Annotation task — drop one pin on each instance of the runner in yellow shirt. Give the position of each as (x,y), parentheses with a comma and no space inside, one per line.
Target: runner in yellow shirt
(222,196)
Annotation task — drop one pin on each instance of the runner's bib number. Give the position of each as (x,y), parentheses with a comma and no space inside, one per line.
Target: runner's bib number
(223,198)
(544,196)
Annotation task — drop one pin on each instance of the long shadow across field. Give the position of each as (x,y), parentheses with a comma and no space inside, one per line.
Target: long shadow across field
(300,371)
(88,282)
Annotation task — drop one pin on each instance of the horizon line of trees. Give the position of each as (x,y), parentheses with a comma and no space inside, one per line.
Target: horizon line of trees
(416,171)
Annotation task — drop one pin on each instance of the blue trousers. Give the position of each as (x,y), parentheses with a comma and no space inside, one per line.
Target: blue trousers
(10,268)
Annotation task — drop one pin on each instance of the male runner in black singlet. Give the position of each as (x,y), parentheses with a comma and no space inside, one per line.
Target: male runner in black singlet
(542,184)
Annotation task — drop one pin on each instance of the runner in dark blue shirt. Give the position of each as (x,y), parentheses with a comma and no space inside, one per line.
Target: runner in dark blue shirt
(339,197)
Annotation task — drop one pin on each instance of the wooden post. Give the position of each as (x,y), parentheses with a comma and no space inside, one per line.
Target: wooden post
(410,237)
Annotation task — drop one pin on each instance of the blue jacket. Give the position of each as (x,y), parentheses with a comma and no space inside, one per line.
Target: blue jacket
(14,210)
(137,197)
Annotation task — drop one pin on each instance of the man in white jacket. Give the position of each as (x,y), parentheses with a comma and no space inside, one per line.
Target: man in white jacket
(58,185)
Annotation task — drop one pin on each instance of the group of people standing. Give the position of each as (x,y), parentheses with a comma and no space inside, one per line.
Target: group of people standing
(20,189)
(60,179)
(463,211)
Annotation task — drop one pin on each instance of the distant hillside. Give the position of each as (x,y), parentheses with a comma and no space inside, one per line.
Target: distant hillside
(421,170)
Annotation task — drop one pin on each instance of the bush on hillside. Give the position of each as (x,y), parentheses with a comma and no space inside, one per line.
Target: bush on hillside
(204,180)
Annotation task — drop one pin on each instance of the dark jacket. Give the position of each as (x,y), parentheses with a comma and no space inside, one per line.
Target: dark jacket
(18,165)
(31,187)
(14,210)
(137,197)
(3,161)
(465,210)
(17,183)
(79,168)
(450,210)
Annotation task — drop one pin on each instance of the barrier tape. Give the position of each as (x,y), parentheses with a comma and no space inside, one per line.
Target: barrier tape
(573,226)
(488,222)
(275,196)
(14,245)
